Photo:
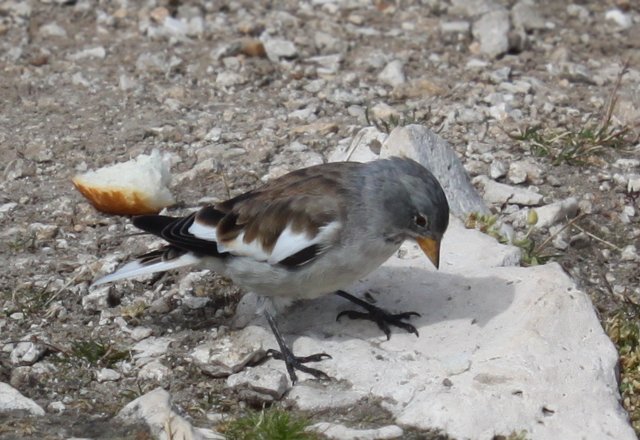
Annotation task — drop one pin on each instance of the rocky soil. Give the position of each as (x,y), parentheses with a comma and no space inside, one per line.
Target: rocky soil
(542,96)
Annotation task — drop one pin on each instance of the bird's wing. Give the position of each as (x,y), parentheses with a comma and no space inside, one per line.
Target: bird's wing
(289,221)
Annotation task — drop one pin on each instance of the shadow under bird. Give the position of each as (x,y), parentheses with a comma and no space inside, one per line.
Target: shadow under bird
(308,233)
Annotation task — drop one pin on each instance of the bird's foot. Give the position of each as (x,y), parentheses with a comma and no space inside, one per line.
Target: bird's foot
(293,362)
(380,316)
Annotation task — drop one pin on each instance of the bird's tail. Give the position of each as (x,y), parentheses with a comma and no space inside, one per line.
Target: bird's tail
(168,257)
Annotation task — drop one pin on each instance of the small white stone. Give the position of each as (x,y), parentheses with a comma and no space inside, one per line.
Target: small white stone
(624,21)
(140,333)
(52,30)
(97,299)
(497,169)
(393,74)
(26,353)
(107,375)
(261,379)
(629,253)
(93,52)
(278,48)
(557,212)
(154,371)
(56,407)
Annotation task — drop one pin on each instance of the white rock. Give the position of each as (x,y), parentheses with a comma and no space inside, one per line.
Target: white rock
(107,375)
(313,397)
(499,193)
(556,212)
(429,149)
(393,74)
(231,353)
(491,30)
(267,382)
(633,183)
(56,407)
(93,52)
(629,253)
(526,15)
(12,400)
(154,408)
(97,299)
(364,146)
(52,30)
(627,163)
(522,171)
(150,347)
(341,432)
(140,333)
(228,79)
(461,27)
(622,20)
(497,169)
(195,302)
(277,48)
(26,353)
(153,371)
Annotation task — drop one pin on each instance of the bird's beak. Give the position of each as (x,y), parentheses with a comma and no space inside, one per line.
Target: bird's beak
(431,249)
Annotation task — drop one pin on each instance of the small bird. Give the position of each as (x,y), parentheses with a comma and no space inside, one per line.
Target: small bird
(308,233)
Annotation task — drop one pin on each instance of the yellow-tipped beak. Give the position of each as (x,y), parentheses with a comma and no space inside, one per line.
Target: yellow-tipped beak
(431,249)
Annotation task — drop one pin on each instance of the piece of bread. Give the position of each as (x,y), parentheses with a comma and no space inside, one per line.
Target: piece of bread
(138,186)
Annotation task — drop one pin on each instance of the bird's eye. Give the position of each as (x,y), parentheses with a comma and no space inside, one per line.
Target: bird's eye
(420,220)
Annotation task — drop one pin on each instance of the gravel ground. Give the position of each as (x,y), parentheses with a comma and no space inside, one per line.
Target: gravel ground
(237,92)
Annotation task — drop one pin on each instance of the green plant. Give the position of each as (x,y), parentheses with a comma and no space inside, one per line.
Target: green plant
(268,424)
(623,327)
(575,145)
(97,353)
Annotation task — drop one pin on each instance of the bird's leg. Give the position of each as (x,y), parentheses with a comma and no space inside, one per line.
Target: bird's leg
(293,362)
(377,315)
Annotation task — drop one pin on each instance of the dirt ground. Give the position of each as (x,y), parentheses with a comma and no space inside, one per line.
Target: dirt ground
(109,87)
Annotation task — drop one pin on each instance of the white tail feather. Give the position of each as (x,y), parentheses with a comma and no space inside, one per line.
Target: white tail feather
(134,269)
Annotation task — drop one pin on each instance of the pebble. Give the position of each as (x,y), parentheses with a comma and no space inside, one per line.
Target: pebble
(629,253)
(19,168)
(150,347)
(492,32)
(26,353)
(526,15)
(107,375)
(98,52)
(524,171)
(622,20)
(52,30)
(154,371)
(499,193)
(56,407)
(278,48)
(633,183)
(393,74)
(97,299)
(553,213)
(261,382)
(461,27)
(497,169)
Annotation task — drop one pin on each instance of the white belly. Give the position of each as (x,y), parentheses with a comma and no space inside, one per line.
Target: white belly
(332,271)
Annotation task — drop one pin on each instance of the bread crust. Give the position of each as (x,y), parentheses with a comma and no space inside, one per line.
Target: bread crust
(113,200)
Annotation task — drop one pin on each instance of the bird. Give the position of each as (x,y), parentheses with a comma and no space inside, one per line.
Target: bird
(308,233)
